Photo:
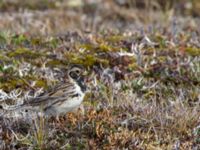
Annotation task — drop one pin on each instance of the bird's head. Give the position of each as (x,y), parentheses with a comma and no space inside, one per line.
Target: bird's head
(76,74)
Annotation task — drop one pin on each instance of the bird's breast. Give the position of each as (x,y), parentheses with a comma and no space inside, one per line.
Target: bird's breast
(70,104)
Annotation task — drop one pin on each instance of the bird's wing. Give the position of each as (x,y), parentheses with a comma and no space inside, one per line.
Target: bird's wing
(61,92)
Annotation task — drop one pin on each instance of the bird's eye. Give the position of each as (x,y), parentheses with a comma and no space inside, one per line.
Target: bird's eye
(73,75)
(77,71)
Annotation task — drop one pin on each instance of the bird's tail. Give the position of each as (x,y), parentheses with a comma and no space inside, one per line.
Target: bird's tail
(20,112)
(9,112)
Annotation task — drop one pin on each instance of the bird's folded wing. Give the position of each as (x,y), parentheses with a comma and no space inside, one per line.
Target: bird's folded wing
(59,93)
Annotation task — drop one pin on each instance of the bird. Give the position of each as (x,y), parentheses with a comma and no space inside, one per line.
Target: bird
(57,101)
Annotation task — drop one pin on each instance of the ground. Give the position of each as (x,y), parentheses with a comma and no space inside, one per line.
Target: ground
(143,72)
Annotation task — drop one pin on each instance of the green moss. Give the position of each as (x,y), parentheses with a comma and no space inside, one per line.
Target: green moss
(162,59)
(12,83)
(133,66)
(24,53)
(3,58)
(193,51)
(115,38)
(8,70)
(53,43)
(54,63)
(105,48)
(87,47)
(149,94)
(161,40)
(18,39)
(102,47)
(36,41)
(41,83)
(87,60)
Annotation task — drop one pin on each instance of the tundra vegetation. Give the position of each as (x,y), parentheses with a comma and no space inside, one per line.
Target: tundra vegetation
(143,64)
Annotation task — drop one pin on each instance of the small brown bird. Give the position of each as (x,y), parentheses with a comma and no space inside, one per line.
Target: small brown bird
(57,101)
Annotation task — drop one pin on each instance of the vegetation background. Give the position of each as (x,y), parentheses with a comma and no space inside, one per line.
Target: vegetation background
(143,62)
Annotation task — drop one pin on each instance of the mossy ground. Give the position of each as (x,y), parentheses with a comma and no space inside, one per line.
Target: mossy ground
(143,67)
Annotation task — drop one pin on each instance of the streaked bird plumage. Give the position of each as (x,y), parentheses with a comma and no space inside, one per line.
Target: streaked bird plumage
(57,101)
